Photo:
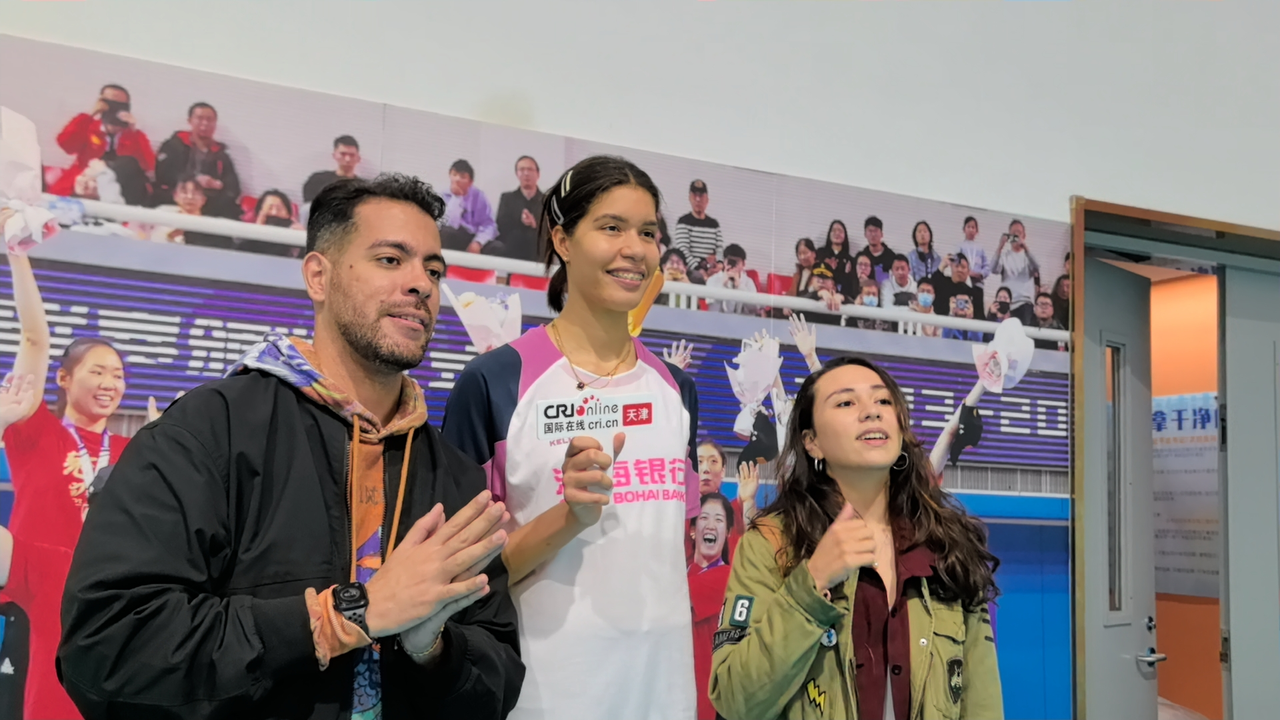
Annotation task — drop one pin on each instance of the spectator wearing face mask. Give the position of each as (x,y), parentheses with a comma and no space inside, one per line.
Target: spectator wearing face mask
(1044,319)
(194,152)
(869,296)
(109,132)
(276,209)
(962,305)
(924,305)
(733,277)
(346,156)
(899,289)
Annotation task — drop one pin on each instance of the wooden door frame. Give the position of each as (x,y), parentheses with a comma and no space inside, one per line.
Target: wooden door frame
(1136,222)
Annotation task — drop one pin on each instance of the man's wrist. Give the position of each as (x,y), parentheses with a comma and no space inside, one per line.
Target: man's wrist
(434,650)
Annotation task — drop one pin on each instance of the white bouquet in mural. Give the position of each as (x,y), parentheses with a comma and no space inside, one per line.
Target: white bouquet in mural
(20,183)
(490,322)
(752,380)
(1002,362)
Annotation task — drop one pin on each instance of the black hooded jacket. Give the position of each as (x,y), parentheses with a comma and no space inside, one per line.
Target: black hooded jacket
(185,597)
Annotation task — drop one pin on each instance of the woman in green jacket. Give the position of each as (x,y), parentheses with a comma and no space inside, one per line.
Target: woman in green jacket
(862,591)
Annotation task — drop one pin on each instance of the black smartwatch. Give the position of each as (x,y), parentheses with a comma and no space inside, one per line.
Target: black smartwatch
(351,600)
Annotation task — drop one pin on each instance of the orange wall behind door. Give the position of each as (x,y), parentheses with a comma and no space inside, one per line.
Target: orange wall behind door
(1184,360)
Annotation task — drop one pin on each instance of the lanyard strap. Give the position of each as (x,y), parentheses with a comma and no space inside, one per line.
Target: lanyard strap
(88,470)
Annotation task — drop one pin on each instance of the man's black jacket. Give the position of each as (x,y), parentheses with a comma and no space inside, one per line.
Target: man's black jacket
(186,593)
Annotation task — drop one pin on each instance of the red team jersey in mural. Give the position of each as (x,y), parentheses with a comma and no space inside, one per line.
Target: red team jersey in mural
(50,500)
(49,486)
(605,625)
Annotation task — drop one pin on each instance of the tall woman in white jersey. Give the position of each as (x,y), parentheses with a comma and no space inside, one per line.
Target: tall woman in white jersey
(587,436)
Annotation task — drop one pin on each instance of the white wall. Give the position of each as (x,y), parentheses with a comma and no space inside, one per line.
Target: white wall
(1012,106)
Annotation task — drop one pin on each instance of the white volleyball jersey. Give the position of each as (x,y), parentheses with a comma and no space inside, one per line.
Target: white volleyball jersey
(605,626)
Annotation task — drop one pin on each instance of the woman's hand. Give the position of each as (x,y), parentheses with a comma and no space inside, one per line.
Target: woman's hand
(804,335)
(847,545)
(5,214)
(17,395)
(748,484)
(586,482)
(680,354)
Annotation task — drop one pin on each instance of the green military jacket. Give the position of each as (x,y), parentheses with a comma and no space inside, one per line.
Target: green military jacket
(770,661)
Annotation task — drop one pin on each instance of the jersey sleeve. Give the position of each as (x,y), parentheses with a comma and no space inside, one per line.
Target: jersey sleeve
(479,410)
(689,396)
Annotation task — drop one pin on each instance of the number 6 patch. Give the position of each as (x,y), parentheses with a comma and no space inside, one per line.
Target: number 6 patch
(740,611)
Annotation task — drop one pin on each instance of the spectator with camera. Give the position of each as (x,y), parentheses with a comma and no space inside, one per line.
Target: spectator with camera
(108,132)
(697,234)
(194,152)
(962,305)
(1045,320)
(1000,309)
(733,277)
(979,265)
(346,153)
(468,218)
(519,212)
(899,289)
(676,269)
(1018,270)
(953,279)
(876,251)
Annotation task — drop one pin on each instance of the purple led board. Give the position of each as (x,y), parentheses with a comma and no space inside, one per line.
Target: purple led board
(176,333)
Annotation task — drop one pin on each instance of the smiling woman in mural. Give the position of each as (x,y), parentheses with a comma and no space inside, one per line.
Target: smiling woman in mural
(587,436)
(708,578)
(54,455)
(859,531)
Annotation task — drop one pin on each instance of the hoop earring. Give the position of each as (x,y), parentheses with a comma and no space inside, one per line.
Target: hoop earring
(817,464)
(904,459)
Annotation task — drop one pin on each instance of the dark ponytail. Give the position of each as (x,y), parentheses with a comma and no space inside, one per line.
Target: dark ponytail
(571,198)
(70,360)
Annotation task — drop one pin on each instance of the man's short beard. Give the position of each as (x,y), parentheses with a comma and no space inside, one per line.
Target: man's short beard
(365,340)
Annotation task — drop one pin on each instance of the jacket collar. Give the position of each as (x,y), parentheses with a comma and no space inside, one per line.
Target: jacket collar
(186,138)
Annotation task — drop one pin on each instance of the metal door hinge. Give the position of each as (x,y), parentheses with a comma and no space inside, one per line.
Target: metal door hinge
(1222,427)
(1224,653)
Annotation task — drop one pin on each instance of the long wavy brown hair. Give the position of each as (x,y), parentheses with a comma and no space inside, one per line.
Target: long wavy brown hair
(808,501)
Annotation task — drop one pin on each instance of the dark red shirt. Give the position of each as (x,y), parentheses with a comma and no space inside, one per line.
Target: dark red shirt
(882,635)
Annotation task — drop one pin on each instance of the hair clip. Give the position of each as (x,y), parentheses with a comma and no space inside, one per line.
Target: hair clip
(564,185)
(555,211)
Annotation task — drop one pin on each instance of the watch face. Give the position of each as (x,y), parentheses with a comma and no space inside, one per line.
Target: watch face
(349,594)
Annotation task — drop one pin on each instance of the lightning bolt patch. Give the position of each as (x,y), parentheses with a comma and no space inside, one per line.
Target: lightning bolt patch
(817,696)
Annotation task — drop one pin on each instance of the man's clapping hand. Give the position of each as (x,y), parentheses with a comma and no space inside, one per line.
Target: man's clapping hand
(436,570)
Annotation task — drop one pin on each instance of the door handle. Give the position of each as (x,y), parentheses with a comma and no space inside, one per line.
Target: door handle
(1152,657)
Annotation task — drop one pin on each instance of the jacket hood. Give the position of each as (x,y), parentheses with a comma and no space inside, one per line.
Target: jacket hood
(291,360)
